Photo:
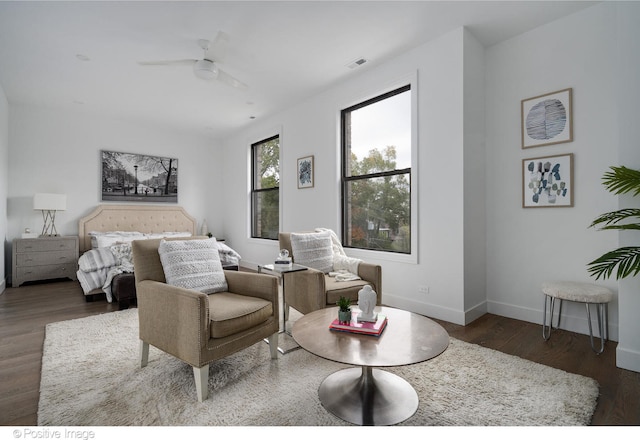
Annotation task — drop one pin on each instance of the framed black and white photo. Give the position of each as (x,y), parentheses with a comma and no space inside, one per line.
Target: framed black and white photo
(547,181)
(305,172)
(128,177)
(547,119)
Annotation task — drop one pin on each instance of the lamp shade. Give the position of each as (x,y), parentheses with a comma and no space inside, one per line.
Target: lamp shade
(50,202)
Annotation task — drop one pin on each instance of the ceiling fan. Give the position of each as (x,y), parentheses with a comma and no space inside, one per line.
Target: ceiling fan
(207,67)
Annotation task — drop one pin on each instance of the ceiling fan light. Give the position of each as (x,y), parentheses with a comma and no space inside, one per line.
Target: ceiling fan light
(205,69)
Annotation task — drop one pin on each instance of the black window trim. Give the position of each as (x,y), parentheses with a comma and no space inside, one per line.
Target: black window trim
(346,179)
(255,190)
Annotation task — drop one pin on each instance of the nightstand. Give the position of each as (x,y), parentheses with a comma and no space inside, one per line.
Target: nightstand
(44,258)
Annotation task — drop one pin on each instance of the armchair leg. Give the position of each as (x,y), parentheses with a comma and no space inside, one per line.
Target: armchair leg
(273,345)
(201,376)
(144,353)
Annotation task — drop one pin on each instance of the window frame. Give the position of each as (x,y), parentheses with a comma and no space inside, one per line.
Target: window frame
(254,191)
(406,83)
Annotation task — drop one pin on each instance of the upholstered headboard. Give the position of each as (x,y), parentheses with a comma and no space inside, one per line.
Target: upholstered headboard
(141,218)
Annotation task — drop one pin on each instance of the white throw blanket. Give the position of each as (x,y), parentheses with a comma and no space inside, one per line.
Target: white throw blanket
(345,268)
(96,259)
(98,267)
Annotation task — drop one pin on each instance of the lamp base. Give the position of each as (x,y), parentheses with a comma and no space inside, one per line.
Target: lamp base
(49,227)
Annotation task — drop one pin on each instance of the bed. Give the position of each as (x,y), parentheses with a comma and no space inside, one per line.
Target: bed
(105,267)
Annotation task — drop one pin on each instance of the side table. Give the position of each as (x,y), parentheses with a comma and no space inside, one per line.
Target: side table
(279,272)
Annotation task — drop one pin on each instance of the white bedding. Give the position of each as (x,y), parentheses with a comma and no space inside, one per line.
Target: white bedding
(97,267)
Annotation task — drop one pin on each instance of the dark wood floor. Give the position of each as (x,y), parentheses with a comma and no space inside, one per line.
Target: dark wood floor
(25,311)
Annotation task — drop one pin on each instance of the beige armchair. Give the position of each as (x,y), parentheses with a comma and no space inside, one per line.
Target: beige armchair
(198,328)
(310,290)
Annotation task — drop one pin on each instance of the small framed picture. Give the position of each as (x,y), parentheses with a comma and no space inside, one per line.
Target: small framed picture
(547,119)
(547,182)
(305,172)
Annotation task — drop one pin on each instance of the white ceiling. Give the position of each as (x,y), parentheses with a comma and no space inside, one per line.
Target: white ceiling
(285,51)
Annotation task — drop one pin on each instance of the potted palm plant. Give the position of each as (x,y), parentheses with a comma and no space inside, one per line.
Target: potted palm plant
(620,180)
(344,309)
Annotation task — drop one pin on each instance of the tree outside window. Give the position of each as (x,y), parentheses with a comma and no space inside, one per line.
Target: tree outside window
(265,188)
(376,173)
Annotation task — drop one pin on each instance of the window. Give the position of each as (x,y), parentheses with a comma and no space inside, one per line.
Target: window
(265,188)
(376,173)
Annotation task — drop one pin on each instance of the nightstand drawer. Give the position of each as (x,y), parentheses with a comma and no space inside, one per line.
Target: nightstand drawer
(46,272)
(44,258)
(45,245)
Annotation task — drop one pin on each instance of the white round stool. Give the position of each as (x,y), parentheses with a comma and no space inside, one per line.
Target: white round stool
(578,292)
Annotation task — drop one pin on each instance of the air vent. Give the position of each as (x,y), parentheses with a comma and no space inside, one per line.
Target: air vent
(357,63)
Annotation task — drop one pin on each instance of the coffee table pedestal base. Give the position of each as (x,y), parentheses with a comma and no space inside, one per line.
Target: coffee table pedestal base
(368,396)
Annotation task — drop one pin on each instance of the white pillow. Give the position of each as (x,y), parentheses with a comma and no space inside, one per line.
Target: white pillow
(108,238)
(167,234)
(193,264)
(103,241)
(313,250)
(123,233)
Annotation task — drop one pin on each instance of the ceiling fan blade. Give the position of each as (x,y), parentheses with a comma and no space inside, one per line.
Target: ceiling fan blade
(216,50)
(167,63)
(230,80)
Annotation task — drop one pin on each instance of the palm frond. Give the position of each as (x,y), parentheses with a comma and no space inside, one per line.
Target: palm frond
(621,180)
(625,227)
(611,219)
(627,259)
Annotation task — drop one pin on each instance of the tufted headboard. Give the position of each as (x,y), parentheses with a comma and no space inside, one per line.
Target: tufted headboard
(141,218)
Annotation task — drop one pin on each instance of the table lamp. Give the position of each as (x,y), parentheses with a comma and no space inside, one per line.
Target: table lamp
(49,204)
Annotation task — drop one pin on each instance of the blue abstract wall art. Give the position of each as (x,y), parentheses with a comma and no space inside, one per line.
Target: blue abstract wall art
(547,181)
(547,119)
(305,172)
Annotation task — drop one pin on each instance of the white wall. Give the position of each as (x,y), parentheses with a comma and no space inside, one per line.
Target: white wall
(59,152)
(475,238)
(312,127)
(478,248)
(628,93)
(4,180)
(528,246)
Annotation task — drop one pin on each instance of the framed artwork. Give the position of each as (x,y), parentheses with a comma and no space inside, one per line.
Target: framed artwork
(547,181)
(305,172)
(128,177)
(547,119)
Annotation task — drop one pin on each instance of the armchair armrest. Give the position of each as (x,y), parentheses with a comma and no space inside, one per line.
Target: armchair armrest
(253,284)
(373,274)
(305,290)
(173,319)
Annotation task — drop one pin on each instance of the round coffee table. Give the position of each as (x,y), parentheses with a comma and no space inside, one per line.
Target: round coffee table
(367,395)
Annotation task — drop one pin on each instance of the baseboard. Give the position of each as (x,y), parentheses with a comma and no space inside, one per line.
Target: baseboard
(627,359)
(430,310)
(3,285)
(574,321)
(574,317)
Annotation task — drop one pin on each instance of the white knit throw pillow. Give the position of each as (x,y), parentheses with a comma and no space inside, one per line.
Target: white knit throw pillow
(193,264)
(313,250)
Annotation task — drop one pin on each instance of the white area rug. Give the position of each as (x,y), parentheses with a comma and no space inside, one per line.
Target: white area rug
(90,376)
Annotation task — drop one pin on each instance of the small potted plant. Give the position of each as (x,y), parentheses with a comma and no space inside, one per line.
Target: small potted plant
(344,311)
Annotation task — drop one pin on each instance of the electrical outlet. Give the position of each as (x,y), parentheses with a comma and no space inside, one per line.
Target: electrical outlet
(423,289)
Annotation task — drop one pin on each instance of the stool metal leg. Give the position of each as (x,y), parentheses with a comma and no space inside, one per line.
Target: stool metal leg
(549,302)
(602,324)
(606,321)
